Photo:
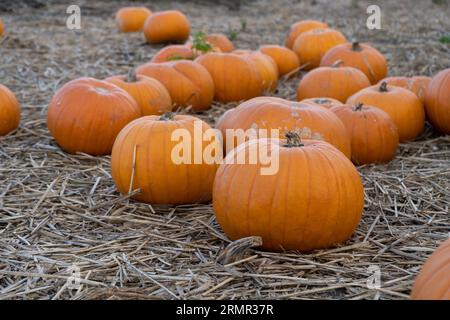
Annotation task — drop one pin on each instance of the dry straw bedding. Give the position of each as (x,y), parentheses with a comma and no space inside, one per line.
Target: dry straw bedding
(57,210)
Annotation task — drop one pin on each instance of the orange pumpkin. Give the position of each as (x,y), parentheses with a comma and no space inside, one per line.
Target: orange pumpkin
(322,102)
(173,52)
(267,68)
(166,26)
(276,113)
(286,59)
(417,84)
(132,19)
(151,96)
(236,77)
(360,56)
(401,104)
(188,82)
(301,27)
(332,82)
(2,27)
(373,134)
(314,200)
(9,111)
(312,45)
(86,114)
(433,281)
(437,101)
(220,41)
(143,158)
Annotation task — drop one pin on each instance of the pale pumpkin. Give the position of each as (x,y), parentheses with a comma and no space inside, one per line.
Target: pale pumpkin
(286,59)
(437,101)
(132,19)
(322,102)
(166,26)
(9,111)
(301,27)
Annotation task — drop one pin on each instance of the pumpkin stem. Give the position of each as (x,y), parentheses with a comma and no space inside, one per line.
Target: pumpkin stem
(356,46)
(337,63)
(293,139)
(131,76)
(168,116)
(358,107)
(383,87)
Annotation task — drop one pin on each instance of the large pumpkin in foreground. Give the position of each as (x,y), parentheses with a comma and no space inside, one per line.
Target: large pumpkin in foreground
(433,281)
(147,155)
(313,198)
(86,115)
(437,101)
(276,113)
(9,111)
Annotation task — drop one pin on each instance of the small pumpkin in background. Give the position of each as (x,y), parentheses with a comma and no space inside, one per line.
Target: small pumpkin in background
(301,27)
(286,59)
(314,200)
(143,158)
(322,102)
(9,111)
(373,134)
(188,82)
(417,84)
(437,101)
(150,94)
(267,68)
(402,105)
(433,281)
(2,27)
(312,45)
(276,113)
(333,82)
(220,41)
(166,26)
(173,52)
(235,77)
(86,114)
(360,56)
(132,19)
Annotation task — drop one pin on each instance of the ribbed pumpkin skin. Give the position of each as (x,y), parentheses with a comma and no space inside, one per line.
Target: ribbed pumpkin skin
(188,82)
(312,45)
(132,19)
(322,102)
(334,82)
(85,115)
(220,41)
(373,134)
(437,101)
(235,77)
(401,104)
(277,113)
(360,56)
(9,111)
(433,281)
(173,52)
(286,59)
(417,84)
(166,26)
(300,27)
(160,180)
(314,201)
(151,96)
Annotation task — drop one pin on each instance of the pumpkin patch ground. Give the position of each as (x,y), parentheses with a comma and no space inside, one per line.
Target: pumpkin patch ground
(61,213)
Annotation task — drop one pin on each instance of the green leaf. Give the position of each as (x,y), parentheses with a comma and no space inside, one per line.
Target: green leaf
(445,39)
(199,43)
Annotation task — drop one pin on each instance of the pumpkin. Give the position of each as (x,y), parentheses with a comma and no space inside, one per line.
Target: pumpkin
(188,82)
(151,96)
(276,113)
(166,26)
(2,27)
(132,19)
(401,104)
(312,45)
(220,41)
(373,134)
(360,56)
(86,114)
(9,111)
(314,200)
(173,52)
(235,77)
(142,158)
(433,281)
(417,84)
(437,101)
(322,102)
(301,27)
(286,59)
(333,82)
(267,68)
